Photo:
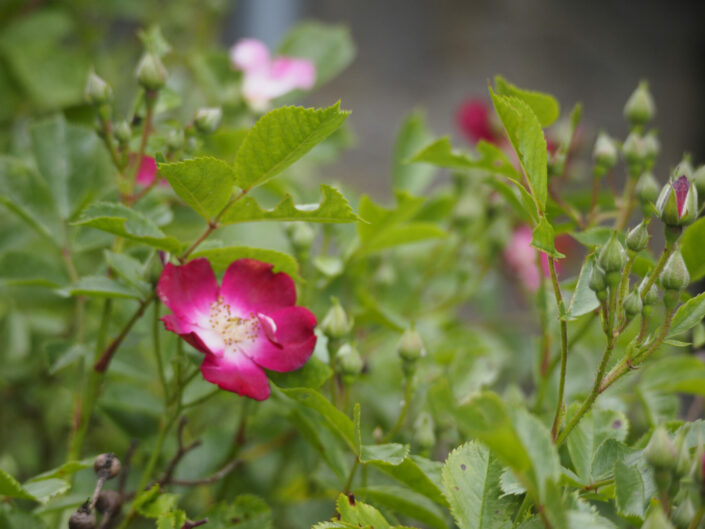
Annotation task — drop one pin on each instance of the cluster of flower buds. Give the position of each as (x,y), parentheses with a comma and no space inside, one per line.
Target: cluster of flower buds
(410,348)
(106,466)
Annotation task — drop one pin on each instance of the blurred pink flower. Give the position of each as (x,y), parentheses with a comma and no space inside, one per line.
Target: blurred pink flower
(474,120)
(266,78)
(521,258)
(246,325)
(147,171)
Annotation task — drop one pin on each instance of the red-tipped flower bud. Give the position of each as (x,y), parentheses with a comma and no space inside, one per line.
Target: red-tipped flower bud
(677,204)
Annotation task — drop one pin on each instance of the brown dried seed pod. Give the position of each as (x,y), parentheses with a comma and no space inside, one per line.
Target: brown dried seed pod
(83,518)
(108,501)
(107,466)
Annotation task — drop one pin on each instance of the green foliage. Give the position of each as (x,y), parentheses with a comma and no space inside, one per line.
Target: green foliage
(545,106)
(281,137)
(221,258)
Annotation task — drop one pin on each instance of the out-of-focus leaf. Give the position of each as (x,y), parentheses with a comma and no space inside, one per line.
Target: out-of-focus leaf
(205,184)
(545,106)
(629,490)
(406,502)
(66,470)
(675,374)
(354,511)
(329,47)
(247,511)
(313,375)
(11,488)
(693,249)
(390,453)
(129,269)
(45,489)
(412,135)
(333,207)
(281,137)
(471,485)
(125,222)
(543,238)
(419,474)
(100,286)
(584,299)
(23,268)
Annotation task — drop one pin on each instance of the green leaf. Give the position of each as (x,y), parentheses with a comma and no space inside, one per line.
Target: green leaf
(527,137)
(281,137)
(246,512)
(406,502)
(543,238)
(171,520)
(545,106)
(333,207)
(335,419)
(24,268)
(693,250)
(73,162)
(629,490)
(688,315)
(391,453)
(205,184)
(46,489)
(26,194)
(593,237)
(471,485)
(584,299)
(221,258)
(330,47)
(66,470)
(313,429)
(419,474)
(675,374)
(125,222)
(11,488)
(606,456)
(353,511)
(313,374)
(412,135)
(129,269)
(100,286)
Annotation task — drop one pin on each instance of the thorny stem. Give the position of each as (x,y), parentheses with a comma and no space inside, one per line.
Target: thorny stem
(543,318)
(564,345)
(108,139)
(667,251)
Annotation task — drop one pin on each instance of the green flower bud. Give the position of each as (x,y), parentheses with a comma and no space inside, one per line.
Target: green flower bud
(652,146)
(651,297)
(612,259)
(674,275)
(150,72)
(598,282)
(640,107)
(424,434)
(301,235)
(348,362)
(336,323)
(677,205)
(98,92)
(683,458)
(605,151)
(647,188)
(123,133)
(660,452)
(684,513)
(657,519)
(635,153)
(207,120)
(638,238)
(175,139)
(633,304)
(699,180)
(410,346)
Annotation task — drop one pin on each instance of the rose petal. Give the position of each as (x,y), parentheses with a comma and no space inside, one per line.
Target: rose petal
(147,171)
(188,290)
(238,374)
(681,186)
(290,73)
(251,286)
(203,340)
(474,121)
(250,55)
(293,342)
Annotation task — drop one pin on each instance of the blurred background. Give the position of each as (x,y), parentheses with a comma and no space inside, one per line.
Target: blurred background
(428,54)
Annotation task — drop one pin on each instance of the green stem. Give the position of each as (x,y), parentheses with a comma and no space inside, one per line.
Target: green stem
(156,326)
(408,396)
(91,389)
(626,203)
(564,345)
(597,175)
(624,285)
(695,522)
(351,476)
(667,251)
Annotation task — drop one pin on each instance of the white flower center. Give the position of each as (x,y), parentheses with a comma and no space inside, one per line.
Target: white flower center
(233,329)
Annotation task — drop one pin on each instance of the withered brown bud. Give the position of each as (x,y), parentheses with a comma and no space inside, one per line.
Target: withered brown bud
(107,466)
(108,501)
(83,518)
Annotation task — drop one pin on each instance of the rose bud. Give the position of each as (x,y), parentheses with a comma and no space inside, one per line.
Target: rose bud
(207,120)
(651,297)
(107,466)
(151,73)
(635,153)
(612,261)
(598,282)
(424,433)
(605,152)
(640,107)
(674,275)
(633,304)
(638,238)
(336,323)
(123,133)
(647,188)
(652,147)
(677,205)
(660,452)
(348,362)
(410,348)
(98,91)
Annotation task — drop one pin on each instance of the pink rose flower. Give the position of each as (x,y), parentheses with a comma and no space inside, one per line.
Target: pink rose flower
(521,258)
(147,171)
(475,123)
(247,324)
(266,79)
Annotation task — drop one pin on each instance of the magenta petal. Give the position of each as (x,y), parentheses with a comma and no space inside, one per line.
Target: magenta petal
(293,344)
(289,74)
(681,186)
(203,340)
(238,374)
(188,290)
(250,55)
(252,287)
(147,171)
(474,121)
